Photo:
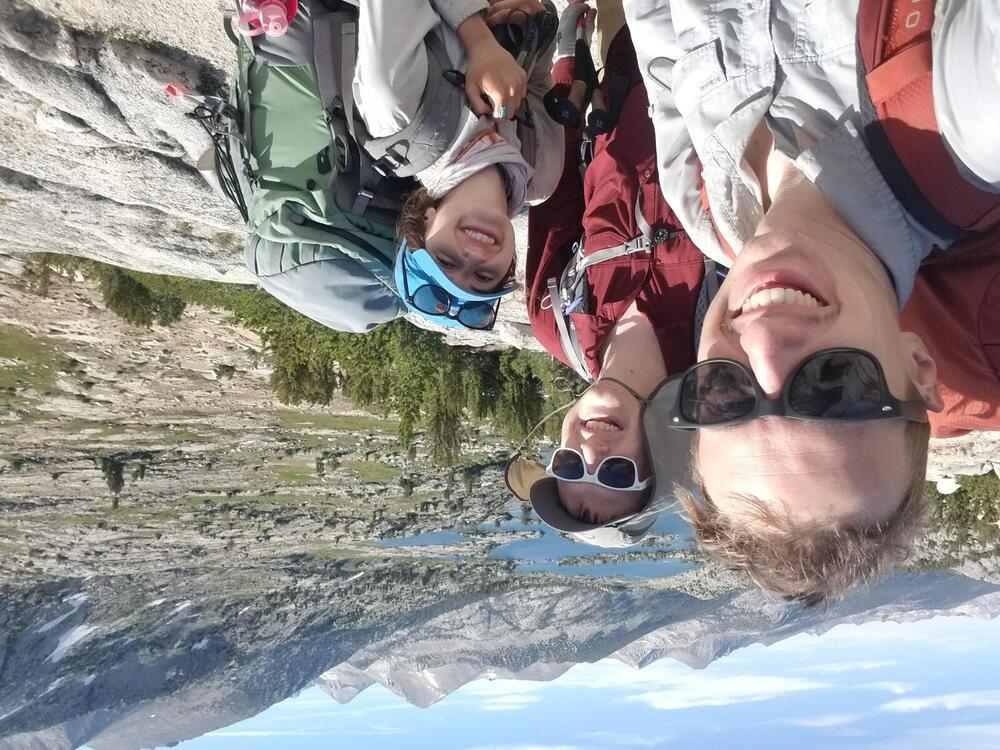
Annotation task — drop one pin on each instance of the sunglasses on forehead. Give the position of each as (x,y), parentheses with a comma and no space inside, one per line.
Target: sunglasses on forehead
(832,385)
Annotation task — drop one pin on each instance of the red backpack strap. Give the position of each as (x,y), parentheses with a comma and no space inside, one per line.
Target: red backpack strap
(901,129)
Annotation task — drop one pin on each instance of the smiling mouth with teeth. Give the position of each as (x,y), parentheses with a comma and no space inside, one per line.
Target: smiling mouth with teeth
(478,236)
(779,296)
(601,425)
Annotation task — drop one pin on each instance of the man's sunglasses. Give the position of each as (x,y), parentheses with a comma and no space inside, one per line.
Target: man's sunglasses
(614,472)
(832,385)
(433,300)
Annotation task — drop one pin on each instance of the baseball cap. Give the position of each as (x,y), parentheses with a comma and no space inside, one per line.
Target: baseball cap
(668,450)
(419,269)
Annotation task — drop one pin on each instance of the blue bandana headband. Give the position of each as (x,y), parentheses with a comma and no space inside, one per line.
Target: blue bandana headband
(420,269)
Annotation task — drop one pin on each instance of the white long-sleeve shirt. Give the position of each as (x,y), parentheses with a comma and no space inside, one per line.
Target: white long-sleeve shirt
(716,71)
(391,73)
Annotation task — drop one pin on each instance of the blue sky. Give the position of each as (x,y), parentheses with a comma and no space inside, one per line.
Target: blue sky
(923,685)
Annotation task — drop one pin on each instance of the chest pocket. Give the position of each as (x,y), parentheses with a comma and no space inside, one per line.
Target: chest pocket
(697,74)
(822,27)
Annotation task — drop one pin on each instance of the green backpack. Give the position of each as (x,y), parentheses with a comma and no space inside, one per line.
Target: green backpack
(320,211)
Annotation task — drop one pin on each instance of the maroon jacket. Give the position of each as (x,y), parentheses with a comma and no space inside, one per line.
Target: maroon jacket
(600,207)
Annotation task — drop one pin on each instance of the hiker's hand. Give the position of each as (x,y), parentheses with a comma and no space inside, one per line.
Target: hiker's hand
(493,73)
(502,11)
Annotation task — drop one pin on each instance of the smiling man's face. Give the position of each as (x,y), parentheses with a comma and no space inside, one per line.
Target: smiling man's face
(798,287)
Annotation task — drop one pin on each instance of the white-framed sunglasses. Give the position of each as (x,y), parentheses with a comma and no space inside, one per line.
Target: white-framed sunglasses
(614,472)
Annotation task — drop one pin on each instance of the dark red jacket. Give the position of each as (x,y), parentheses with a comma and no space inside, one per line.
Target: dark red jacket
(955,308)
(600,206)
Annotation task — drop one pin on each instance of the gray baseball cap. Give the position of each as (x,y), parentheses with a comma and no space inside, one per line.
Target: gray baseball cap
(668,450)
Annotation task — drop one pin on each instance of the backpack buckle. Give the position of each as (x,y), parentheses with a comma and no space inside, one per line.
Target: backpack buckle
(383,166)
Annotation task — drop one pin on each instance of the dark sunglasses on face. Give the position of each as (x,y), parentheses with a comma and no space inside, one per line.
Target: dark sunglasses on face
(614,472)
(433,300)
(832,385)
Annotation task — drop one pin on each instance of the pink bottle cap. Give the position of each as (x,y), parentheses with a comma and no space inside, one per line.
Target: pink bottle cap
(273,18)
(269,17)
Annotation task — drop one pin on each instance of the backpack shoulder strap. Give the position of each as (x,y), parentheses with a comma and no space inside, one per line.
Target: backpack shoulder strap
(567,333)
(569,292)
(430,132)
(900,126)
(335,46)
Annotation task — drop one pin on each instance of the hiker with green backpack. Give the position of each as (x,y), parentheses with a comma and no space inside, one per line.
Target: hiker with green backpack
(334,121)
(456,258)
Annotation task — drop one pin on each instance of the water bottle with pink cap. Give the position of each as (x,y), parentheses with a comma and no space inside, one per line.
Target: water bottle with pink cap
(270,17)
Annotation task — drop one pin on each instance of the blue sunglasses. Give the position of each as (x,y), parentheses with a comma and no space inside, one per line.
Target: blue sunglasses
(431,299)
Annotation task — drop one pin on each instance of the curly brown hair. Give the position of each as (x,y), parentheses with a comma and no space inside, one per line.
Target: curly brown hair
(819,562)
(412,226)
(413,216)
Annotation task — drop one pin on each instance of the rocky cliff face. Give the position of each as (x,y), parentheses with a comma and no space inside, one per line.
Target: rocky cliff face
(99,162)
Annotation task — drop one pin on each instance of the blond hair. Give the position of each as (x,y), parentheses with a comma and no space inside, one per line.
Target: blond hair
(817,562)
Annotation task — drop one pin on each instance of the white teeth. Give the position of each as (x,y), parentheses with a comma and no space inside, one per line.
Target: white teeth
(780,296)
(479,236)
(594,424)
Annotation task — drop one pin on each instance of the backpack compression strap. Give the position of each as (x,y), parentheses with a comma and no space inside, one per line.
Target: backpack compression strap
(404,154)
(429,134)
(900,127)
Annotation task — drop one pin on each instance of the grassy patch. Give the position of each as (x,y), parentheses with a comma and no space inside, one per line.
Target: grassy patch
(8,531)
(228,240)
(205,501)
(974,507)
(175,435)
(71,519)
(139,513)
(296,474)
(371,471)
(26,360)
(92,427)
(347,422)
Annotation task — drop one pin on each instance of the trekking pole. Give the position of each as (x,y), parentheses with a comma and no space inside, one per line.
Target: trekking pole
(569,110)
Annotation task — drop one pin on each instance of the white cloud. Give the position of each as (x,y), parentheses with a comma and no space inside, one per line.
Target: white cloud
(260,733)
(383,729)
(524,747)
(849,666)
(622,739)
(508,702)
(503,695)
(897,688)
(964,736)
(488,688)
(951,633)
(724,691)
(949,702)
(823,722)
